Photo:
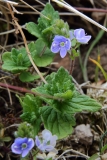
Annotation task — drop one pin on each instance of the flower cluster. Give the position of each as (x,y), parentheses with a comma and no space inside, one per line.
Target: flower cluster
(24,145)
(63,45)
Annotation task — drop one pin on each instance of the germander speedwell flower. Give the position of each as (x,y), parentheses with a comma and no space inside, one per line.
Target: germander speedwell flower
(22,146)
(61,44)
(80,36)
(47,142)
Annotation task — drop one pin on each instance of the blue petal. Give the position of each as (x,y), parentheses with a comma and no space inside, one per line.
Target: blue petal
(19,140)
(38,142)
(16,149)
(84,40)
(63,52)
(59,39)
(42,147)
(30,143)
(53,140)
(79,33)
(46,134)
(55,47)
(68,44)
(25,152)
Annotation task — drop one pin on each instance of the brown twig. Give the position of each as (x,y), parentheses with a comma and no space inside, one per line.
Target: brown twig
(25,42)
(24,90)
(9,93)
(72,66)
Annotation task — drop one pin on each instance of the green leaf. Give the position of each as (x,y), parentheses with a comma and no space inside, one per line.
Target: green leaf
(30,103)
(65,102)
(33,29)
(43,55)
(28,77)
(17,60)
(83,102)
(94,157)
(103,148)
(10,65)
(31,113)
(58,123)
(50,16)
(60,28)
(58,83)
(66,95)
(60,86)
(74,42)
(75,104)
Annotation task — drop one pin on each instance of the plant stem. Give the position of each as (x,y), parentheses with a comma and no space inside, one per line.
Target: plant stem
(24,90)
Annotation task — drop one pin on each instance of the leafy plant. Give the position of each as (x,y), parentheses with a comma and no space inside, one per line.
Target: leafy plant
(58,115)
(17,60)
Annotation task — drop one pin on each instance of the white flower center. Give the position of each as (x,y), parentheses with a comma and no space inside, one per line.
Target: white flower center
(62,44)
(24,145)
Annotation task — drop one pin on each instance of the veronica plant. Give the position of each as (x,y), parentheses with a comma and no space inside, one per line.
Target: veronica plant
(58,99)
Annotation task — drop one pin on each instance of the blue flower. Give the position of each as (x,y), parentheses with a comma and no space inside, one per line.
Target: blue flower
(61,44)
(47,142)
(22,146)
(80,36)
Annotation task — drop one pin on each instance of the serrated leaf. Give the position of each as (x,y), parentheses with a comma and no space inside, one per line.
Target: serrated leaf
(50,15)
(31,113)
(28,77)
(33,29)
(58,85)
(75,104)
(10,65)
(30,103)
(83,102)
(17,60)
(59,82)
(58,123)
(43,55)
